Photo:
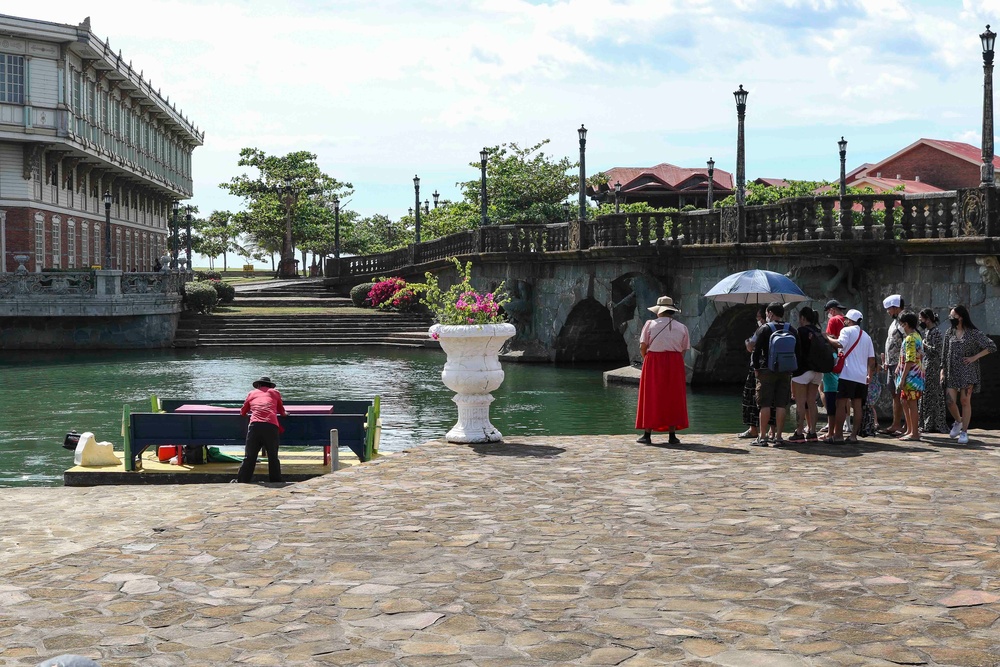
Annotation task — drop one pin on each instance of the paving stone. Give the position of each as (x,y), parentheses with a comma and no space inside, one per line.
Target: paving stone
(606,552)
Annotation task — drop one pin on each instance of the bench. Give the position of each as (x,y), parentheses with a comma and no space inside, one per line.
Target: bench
(149,429)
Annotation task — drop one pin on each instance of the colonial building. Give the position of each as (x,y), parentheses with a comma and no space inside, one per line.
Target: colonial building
(663,186)
(77,122)
(947,165)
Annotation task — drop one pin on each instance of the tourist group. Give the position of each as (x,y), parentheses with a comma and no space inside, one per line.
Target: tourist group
(929,374)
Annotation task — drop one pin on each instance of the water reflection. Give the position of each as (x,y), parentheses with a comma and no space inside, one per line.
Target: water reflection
(47,394)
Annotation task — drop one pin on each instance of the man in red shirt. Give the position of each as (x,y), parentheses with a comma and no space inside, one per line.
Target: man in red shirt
(263,404)
(835,311)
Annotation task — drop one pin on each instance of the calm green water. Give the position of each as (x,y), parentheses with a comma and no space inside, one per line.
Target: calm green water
(44,395)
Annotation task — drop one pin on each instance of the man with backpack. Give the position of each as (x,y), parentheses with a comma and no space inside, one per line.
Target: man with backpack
(773,358)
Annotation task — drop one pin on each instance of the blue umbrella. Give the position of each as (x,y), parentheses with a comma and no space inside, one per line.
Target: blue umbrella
(756,286)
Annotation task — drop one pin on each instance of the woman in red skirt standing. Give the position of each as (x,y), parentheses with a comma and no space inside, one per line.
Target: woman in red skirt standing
(663,384)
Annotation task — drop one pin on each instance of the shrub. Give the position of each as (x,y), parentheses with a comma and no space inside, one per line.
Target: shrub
(391,294)
(200,296)
(359,294)
(461,303)
(208,275)
(226,292)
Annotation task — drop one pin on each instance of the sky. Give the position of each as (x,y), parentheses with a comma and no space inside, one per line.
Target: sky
(382,90)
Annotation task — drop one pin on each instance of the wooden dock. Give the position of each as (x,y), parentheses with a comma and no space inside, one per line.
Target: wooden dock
(296,465)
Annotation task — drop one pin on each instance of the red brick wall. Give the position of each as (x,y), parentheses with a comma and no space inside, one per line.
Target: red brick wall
(931,166)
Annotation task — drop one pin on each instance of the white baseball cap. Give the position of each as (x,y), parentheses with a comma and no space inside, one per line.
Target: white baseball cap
(854,315)
(892,301)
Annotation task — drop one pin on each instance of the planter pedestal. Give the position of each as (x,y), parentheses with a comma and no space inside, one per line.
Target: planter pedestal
(472,371)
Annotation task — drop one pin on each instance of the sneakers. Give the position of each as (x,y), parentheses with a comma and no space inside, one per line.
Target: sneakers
(812,437)
(956,428)
(963,438)
(797,437)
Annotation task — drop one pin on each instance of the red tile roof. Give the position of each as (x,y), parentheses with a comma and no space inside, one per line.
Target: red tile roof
(880,185)
(664,176)
(957,148)
(773,182)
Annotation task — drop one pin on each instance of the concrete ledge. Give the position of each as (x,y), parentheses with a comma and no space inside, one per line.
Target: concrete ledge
(625,375)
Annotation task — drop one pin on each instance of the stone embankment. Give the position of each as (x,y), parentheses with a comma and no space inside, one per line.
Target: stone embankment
(563,550)
(339,324)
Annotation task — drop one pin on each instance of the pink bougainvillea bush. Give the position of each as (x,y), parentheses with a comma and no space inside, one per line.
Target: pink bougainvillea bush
(391,294)
(461,303)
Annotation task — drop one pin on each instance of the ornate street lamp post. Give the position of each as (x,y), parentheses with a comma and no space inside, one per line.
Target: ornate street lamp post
(190,259)
(711,181)
(565,206)
(618,191)
(427,207)
(988,38)
(176,240)
(583,172)
(107,230)
(416,194)
(741,113)
(843,166)
(483,156)
(336,228)
(436,196)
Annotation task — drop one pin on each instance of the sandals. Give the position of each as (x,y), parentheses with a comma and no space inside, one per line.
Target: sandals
(909,438)
(853,440)
(830,440)
(761,441)
(895,434)
(746,435)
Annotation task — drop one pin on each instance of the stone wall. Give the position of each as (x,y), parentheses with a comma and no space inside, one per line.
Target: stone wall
(90,333)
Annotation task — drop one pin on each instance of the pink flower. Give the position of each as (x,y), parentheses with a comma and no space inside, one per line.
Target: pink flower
(435,335)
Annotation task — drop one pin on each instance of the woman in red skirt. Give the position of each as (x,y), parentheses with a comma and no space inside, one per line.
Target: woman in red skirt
(663,385)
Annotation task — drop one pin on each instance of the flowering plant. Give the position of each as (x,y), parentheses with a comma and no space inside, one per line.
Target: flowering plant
(461,303)
(391,294)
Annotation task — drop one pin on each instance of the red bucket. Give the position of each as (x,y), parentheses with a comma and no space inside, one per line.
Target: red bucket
(166,452)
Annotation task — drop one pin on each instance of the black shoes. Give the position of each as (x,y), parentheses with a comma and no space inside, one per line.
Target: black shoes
(673,440)
(644,439)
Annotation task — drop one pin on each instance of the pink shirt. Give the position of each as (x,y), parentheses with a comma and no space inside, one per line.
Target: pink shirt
(264,405)
(665,334)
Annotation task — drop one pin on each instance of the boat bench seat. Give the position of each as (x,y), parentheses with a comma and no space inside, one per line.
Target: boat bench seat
(148,429)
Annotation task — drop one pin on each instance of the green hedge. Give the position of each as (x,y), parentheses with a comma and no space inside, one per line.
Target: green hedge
(359,295)
(226,292)
(200,296)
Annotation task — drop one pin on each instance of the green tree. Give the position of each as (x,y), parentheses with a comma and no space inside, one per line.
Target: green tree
(265,202)
(379,233)
(523,184)
(216,236)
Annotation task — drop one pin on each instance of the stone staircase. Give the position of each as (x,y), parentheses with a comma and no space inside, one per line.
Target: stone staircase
(394,329)
(301,330)
(305,293)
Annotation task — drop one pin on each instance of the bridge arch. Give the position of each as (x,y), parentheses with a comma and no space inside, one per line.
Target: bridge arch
(590,335)
(722,355)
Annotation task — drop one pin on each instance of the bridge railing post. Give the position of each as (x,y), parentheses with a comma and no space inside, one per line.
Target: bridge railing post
(577,230)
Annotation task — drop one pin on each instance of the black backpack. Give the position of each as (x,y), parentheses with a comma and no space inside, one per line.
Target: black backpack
(822,356)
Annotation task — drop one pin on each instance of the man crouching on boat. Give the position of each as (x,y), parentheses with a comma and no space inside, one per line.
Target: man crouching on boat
(263,404)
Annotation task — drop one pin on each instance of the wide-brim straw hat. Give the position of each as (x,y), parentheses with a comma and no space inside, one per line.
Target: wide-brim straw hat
(664,304)
(264,381)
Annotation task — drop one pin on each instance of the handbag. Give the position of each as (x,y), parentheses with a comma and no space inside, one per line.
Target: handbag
(842,356)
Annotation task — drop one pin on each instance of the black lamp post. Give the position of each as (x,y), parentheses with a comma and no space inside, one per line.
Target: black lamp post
(175,246)
(427,207)
(565,206)
(711,181)
(107,230)
(842,144)
(336,228)
(618,191)
(483,156)
(190,260)
(436,196)
(583,172)
(741,113)
(988,38)
(416,194)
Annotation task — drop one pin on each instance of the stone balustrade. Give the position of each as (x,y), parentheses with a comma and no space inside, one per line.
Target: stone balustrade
(894,216)
(90,293)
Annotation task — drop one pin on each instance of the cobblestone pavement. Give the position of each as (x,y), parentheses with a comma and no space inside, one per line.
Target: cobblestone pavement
(562,550)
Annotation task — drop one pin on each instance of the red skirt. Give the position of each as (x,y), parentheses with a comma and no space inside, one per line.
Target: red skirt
(662,393)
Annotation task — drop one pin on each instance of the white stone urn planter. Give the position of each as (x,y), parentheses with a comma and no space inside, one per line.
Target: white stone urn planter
(472,371)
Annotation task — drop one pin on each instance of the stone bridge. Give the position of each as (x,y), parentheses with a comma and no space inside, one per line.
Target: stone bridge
(580,289)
